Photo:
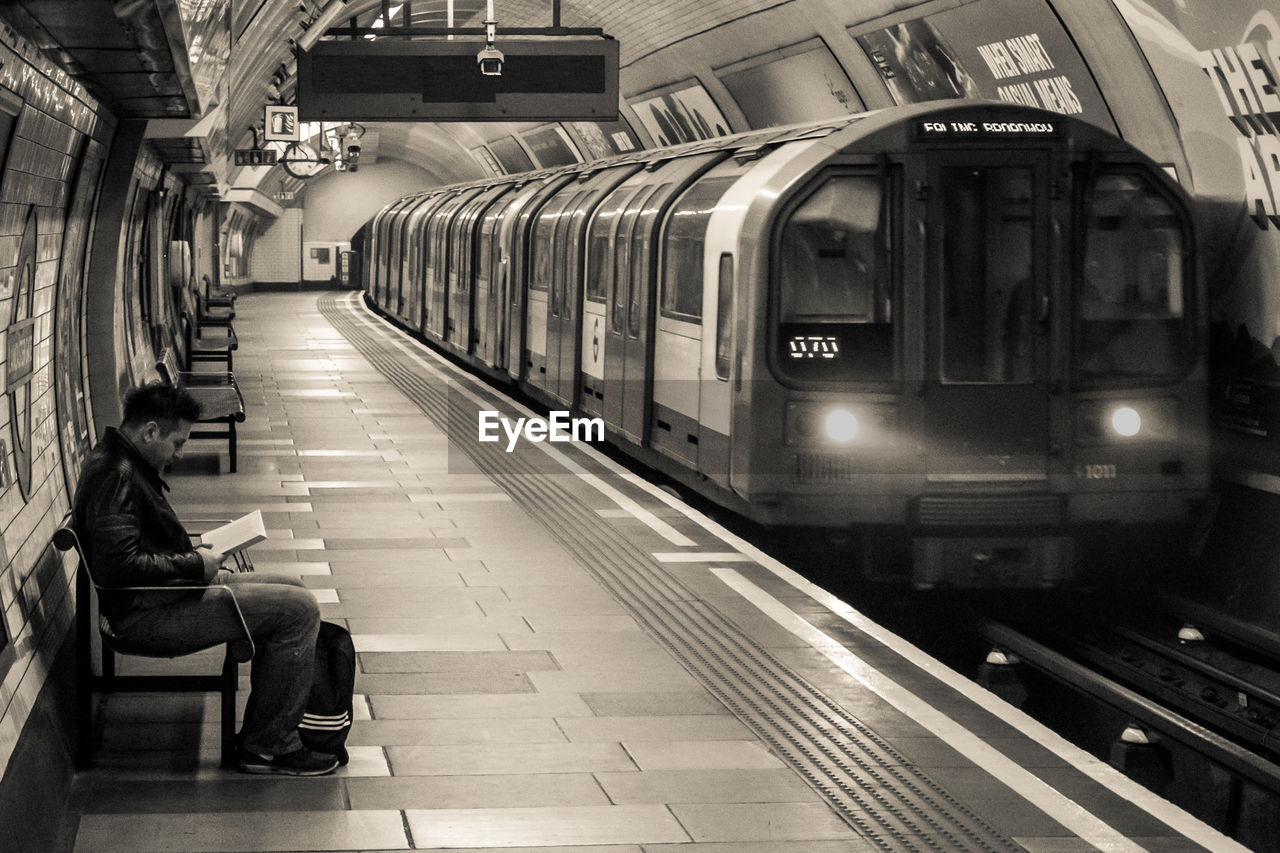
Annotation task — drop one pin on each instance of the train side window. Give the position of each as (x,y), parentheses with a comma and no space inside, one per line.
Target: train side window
(602,279)
(570,253)
(599,240)
(437,229)
(724,316)
(566,245)
(622,285)
(834,284)
(641,245)
(543,231)
(486,257)
(682,247)
(1131,316)
(460,256)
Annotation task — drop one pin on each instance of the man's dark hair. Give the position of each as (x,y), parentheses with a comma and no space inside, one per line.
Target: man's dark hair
(160,402)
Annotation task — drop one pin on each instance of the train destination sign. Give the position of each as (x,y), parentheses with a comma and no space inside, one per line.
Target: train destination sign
(979,129)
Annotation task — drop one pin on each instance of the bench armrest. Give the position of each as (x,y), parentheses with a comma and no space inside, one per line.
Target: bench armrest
(238,646)
(218,378)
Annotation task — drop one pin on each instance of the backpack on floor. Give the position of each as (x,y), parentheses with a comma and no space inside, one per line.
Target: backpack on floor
(327,719)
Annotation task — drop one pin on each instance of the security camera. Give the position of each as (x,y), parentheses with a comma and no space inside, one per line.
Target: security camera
(490,60)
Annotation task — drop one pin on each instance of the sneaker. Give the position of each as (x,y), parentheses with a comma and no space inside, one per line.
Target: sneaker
(300,762)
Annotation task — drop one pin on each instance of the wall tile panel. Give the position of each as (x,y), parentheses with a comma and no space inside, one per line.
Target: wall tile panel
(39,166)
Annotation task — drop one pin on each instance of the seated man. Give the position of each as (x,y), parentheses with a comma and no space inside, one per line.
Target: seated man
(132,537)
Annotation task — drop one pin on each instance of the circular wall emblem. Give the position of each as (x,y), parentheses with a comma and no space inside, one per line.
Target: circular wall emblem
(20,350)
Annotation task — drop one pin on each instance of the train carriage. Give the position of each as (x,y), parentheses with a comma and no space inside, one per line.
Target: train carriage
(973,328)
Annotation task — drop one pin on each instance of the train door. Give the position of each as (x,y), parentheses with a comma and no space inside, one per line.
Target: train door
(397,281)
(506,283)
(415,255)
(383,276)
(564,337)
(599,271)
(544,266)
(430,248)
(562,312)
(462,270)
(523,270)
(376,264)
(987,296)
(489,337)
(445,269)
(627,330)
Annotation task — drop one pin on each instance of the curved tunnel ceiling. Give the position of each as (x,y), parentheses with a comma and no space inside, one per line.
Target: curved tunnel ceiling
(730,64)
(665,45)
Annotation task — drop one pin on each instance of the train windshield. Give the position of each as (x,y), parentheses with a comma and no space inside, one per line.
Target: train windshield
(833,285)
(1132,300)
(988,283)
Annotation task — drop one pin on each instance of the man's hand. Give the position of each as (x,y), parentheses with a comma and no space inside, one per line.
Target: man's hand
(213,561)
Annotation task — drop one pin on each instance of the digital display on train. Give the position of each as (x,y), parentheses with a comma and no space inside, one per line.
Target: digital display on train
(813,346)
(962,130)
(840,351)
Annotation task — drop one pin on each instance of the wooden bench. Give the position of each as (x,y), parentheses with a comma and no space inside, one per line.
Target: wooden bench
(109,681)
(208,314)
(218,394)
(217,297)
(205,339)
(217,343)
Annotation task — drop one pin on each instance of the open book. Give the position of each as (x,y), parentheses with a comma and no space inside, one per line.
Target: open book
(236,535)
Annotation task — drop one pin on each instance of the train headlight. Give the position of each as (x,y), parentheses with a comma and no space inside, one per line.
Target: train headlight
(841,426)
(819,424)
(1124,421)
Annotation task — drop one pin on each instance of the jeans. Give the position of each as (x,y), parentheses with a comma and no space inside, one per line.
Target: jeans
(283,619)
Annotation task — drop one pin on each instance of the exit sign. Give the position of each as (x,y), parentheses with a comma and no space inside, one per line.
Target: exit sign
(255,156)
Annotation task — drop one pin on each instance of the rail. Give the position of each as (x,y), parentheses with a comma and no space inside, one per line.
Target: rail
(1230,755)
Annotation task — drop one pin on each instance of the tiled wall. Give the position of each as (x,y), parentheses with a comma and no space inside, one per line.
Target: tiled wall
(55,117)
(276,254)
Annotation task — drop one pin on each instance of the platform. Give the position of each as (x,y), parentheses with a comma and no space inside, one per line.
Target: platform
(556,656)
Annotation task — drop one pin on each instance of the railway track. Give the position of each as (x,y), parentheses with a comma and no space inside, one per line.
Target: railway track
(1192,683)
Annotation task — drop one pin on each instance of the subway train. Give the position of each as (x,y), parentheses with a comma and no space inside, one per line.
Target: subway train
(966,337)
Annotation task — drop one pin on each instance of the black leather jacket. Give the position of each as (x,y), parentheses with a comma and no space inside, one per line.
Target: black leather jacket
(130,534)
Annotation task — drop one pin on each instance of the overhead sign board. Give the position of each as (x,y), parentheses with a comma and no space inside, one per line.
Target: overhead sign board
(566,79)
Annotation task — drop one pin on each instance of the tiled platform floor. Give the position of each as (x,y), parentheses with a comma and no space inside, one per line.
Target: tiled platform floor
(506,699)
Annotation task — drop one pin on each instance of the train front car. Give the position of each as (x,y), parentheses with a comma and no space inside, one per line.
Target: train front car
(974,332)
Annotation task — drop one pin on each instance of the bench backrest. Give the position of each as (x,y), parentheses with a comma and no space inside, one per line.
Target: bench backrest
(65,539)
(168,367)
